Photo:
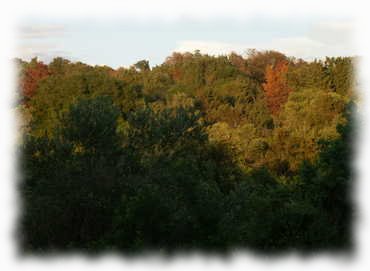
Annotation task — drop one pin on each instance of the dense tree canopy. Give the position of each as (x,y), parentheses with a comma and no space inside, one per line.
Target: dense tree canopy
(200,152)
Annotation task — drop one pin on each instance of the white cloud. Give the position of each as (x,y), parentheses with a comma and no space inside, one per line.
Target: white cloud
(323,39)
(332,32)
(209,47)
(41,41)
(302,47)
(41,31)
(43,51)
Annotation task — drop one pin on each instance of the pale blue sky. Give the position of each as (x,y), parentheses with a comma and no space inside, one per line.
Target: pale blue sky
(121,42)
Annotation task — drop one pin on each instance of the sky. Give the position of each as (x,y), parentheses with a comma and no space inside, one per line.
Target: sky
(123,42)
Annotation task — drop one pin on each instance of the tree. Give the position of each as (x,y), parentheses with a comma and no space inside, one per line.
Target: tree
(187,155)
(327,185)
(339,74)
(59,66)
(308,116)
(71,182)
(142,65)
(57,93)
(258,61)
(35,72)
(276,87)
(91,124)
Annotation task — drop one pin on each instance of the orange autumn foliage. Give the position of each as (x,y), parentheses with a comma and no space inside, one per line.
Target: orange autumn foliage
(276,87)
(32,76)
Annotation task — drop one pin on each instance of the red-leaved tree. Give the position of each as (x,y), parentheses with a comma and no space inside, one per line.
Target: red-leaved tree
(276,86)
(32,75)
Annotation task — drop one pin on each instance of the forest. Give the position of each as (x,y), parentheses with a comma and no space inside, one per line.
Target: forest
(201,152)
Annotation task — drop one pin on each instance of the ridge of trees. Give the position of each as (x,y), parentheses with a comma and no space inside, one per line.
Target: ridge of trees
(200,152)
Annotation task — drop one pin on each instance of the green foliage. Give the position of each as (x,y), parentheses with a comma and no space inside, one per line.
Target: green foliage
(57,93)
(74,174)
(327,185)
(142,65)
(186,155)
(309,116)
(339,74)
(91,125)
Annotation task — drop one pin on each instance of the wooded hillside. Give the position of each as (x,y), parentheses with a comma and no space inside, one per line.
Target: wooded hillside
(200,152)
